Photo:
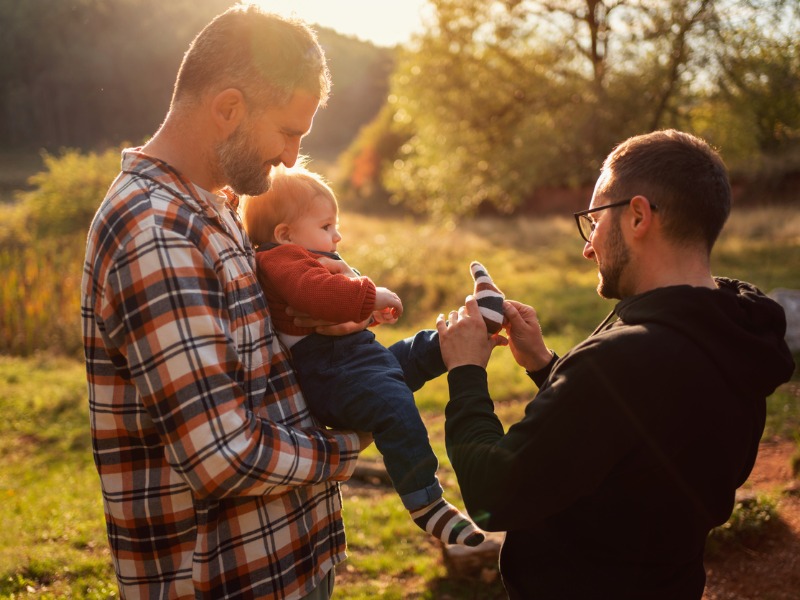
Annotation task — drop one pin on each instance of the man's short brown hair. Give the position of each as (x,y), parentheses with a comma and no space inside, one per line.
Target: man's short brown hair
(681,174)
(265,56)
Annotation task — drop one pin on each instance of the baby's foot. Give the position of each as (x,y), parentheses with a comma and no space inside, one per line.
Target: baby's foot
(444,521)
(489,297)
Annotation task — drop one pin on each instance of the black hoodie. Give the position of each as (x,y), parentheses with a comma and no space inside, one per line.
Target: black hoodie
(631,451)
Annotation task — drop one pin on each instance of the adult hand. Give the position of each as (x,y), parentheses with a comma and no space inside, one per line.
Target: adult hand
(337,266)
(326,327)
(525,336)
(302,319)
(364,440)
(464,339)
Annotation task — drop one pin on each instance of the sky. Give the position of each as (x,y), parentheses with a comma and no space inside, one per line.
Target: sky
(382,22)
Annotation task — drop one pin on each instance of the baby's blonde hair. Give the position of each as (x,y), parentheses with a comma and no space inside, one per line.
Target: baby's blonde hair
(288,198)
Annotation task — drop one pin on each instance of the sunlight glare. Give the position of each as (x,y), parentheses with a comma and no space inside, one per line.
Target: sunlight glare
(382,22)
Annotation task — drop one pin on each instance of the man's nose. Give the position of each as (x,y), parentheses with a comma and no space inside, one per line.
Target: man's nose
(290,152)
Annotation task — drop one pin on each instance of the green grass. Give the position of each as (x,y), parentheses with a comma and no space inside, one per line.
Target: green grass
(749,520)
(52,543)
(783,410)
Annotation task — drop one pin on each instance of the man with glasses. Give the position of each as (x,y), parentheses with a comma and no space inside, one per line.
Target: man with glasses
(633,448)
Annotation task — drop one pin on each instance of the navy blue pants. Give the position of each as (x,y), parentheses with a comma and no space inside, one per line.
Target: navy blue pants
(353,382)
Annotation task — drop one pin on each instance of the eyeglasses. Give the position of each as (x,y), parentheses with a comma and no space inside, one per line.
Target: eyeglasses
(586,224)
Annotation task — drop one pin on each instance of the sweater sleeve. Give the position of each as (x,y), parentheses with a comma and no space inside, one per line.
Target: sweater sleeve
(302,282)
(511,480)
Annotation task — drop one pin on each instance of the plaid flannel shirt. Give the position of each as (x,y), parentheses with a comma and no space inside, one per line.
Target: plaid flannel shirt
(216,481)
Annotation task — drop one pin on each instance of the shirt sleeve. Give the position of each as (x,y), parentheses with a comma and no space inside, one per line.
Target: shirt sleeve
(165,311)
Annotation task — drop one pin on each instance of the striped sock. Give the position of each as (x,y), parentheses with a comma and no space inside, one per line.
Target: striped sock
(489,297)
(444,521)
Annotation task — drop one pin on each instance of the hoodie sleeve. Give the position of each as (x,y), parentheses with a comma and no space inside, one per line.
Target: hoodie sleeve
(513,479)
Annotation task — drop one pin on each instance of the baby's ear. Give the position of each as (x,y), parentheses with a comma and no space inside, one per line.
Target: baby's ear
(282,233)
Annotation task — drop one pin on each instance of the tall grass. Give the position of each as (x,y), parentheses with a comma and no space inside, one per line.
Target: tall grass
(535,260)
(39,297)
(52,543)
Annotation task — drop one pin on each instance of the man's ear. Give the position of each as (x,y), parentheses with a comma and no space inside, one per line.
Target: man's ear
(283,233)
(641,216)
(228,109)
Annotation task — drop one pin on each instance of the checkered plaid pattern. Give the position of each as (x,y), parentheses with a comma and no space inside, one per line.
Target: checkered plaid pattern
(216,481)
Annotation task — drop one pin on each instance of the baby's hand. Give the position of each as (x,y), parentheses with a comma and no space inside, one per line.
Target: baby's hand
(388,304)
(386,316)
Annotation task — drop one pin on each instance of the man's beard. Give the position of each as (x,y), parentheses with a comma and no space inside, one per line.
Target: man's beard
(240,165)
(617,258)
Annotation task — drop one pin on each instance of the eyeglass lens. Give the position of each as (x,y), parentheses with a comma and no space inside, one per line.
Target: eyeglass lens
(587,226)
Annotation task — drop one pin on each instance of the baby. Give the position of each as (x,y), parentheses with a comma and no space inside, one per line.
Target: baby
(351,381)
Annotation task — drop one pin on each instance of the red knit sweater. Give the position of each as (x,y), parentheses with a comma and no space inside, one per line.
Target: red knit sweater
(292,276)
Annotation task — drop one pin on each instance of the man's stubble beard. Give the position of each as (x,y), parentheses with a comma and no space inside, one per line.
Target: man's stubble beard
(240,165)
(617,259)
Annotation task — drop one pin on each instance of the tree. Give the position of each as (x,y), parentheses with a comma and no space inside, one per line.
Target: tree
(506,96)
(91,72)
(761,82)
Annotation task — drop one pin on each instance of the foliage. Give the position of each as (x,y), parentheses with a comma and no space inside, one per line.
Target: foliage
(67,192)
(783,411)
(39,297)
(761,83)
(499,109)
(42,240)
(359,179)
(796,456)
(499,99)
(750,519)
(360,74)
(92,73)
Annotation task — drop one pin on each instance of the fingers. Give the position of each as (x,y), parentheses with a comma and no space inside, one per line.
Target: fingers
(512,314)
(452,317)
(520,314)
(469,310)
(498,340)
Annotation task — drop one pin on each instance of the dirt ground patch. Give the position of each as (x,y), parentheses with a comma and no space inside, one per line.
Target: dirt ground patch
(766,567)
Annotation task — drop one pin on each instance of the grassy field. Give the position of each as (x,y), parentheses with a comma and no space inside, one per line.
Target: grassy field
(52,543)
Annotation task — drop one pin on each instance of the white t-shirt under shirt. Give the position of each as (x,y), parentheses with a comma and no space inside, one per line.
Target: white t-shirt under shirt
(219,202)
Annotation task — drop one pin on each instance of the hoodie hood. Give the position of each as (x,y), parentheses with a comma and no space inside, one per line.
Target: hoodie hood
(740,329)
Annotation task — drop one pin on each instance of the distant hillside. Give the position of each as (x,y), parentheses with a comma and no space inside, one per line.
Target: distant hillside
(95,74)
(360,73)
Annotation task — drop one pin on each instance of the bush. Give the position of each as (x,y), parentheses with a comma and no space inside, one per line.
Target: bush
(67,193)
(40,299)
(750,519)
